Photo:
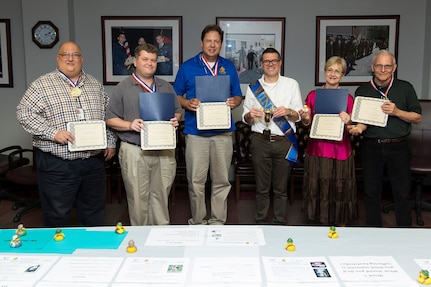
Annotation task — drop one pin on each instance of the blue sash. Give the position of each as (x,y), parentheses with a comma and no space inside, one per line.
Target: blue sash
(281,122)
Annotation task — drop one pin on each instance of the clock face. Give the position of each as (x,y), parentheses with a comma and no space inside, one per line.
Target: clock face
(45,34)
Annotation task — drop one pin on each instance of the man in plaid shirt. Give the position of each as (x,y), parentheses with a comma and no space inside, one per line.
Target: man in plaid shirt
(66,178)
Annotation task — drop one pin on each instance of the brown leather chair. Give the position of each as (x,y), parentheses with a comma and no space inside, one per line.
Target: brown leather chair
(297,171)
(243,164)
(420,145)
(180,156)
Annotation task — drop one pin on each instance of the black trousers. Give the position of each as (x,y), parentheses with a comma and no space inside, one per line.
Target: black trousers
(64,184)
(394,158)
(271,169)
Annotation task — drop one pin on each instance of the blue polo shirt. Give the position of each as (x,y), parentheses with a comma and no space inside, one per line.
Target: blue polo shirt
(185,85)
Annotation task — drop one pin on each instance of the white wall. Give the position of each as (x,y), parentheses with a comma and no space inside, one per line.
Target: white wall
(80,20)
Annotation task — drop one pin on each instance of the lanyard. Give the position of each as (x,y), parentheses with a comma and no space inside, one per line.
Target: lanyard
(214,69)
(384,94)
(143,85)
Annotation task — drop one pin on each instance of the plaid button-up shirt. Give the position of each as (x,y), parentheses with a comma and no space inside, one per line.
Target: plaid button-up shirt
(47,106)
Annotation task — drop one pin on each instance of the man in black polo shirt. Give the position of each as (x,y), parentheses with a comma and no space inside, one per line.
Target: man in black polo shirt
(386,148)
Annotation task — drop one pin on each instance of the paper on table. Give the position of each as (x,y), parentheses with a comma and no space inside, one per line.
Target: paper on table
(158,135)
(24,268)
(213,116)
(327,126)
(368,110)
(175,237)
(226,269)
(235,236)
(369,269)
(84,269)
(89,135)
(298,270)
(153,270)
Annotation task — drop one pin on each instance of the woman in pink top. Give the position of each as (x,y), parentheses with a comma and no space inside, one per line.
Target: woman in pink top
(329,186)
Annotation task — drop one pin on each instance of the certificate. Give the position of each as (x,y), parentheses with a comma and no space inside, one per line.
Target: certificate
(158,135)
(369,111)
(211,116)
(89,135)
(327,127)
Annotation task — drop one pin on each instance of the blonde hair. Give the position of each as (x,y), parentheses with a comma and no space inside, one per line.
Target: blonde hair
(335,60)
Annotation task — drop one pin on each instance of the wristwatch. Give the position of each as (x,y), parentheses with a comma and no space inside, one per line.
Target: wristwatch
(291,113)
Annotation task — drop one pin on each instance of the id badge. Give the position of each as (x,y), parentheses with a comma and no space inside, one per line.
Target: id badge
(80,114)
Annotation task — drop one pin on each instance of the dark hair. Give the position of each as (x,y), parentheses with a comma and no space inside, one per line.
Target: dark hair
(270,50)
(147,47)
(212,27)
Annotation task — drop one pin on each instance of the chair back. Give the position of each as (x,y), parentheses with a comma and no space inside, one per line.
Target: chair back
(420,137)
(242,143)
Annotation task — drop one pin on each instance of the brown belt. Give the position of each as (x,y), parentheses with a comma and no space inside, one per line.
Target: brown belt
(385,141)
(271,138)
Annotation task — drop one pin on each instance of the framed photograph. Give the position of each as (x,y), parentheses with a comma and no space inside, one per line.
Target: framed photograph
(6,77)
(356,39)
(246,38)
(121,35)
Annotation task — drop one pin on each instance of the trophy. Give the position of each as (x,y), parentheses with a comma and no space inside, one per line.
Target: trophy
(268,117)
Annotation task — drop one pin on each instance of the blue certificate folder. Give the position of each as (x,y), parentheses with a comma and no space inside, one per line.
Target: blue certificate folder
(330,101)
(212,88)
(156,106)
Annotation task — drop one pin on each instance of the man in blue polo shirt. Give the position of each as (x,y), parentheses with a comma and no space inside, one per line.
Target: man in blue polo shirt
(207,149)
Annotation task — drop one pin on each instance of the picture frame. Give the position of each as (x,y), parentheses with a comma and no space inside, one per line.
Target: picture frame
(6,75)
(245,36)
(134,28)
(361,37)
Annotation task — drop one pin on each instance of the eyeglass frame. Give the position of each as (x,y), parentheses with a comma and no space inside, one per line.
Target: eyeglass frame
(269,62)
(335,72)
(75,56)
(387,67)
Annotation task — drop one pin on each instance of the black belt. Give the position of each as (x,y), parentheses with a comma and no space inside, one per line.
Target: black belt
(132,143)
(271,138)
(385,141)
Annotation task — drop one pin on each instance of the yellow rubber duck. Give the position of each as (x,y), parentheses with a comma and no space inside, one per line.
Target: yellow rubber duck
(15,241)
(332,233)
(289,245)
(119,228)
(21,230)
(131,247)
(424,278)
(59,235)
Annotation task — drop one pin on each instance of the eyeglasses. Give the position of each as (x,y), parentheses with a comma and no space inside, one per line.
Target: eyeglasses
(380,66)
(269,62)
(330,71)
(67,55)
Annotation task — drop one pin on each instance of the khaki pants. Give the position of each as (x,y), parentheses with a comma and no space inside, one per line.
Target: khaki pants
(148,178)
(213,153)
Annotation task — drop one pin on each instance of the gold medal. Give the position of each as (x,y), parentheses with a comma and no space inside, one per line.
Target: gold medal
(75,92)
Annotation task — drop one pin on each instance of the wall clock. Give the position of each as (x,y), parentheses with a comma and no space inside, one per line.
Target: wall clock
(45,34)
